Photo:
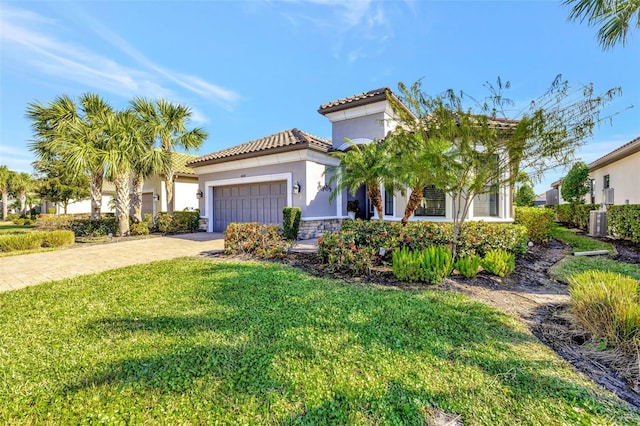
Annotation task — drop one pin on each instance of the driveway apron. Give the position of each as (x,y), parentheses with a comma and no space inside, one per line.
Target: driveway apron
(30,269)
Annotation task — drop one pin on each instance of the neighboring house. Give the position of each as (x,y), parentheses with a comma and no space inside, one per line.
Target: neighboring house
(615,178)
(253,181)
(185,189)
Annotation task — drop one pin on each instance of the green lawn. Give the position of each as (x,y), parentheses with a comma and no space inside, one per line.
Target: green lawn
(11,228)
(578,242)
(195,341)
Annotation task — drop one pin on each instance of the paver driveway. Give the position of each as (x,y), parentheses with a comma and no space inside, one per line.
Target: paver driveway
(30,269)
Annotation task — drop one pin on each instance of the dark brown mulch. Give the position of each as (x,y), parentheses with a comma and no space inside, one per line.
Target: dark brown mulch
(529,293)
(628,252)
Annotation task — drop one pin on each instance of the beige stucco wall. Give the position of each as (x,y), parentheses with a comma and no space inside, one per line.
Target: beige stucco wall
(624,178)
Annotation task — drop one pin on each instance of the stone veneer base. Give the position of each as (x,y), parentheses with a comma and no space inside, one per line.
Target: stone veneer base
(317,228)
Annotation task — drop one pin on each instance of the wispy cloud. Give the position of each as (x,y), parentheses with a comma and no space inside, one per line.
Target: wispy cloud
(352,25)
(36,35)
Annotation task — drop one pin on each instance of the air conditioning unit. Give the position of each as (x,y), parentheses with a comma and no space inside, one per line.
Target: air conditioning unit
(608,196)
(597,223)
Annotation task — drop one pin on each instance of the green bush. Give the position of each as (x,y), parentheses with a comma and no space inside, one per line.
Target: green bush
(180,222)
(606,304)
(431,265)
(499,262)
(291,222)
(140,228)
(17,242)
(475,237)
(262,241)
(54,222)
(339,252)
(58,238)
(35,240)
(538,221)
(86,227)
(11,217)
(624,222)
(576,215)
(468,266)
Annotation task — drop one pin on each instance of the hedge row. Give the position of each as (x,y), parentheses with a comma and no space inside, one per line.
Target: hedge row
(34,240)
(624,222)
(538,221)
(576,215)
(83,226)
(361,244)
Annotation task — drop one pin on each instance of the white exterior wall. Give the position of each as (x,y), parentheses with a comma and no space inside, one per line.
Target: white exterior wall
(84,206)
(184,195)
(624,178)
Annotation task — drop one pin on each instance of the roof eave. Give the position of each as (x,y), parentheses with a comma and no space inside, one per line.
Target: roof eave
(277,150)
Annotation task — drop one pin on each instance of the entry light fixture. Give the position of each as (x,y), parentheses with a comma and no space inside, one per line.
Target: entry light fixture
(199,194)
(156,197)
(297,187)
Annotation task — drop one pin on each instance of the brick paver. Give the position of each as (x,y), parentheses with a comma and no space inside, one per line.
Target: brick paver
(31,269)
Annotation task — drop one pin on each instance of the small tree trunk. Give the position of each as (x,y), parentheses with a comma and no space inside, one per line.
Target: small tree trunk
(376,199)
(96,195)
(23,203)
(122,204)
(5,208)
(136,196)
(168,181)
(414,201)
(65,205)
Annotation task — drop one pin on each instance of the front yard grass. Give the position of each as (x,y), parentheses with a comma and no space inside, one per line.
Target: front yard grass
(11,228)
(571,265)
(578,242)
(196,341)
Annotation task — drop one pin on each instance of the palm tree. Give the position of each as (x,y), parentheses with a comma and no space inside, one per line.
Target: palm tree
(613,16)
(75,136)
(21,183)
(360,165)
(167,122)
(6,176)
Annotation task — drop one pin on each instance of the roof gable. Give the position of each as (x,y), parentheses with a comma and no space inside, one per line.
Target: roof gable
(287,140)
(365,98)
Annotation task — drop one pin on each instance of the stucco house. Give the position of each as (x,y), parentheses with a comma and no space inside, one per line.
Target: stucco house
(253,181)
(185,189)
(615,178)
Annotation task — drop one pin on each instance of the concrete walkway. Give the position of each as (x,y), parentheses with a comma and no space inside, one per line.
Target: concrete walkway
(30,269)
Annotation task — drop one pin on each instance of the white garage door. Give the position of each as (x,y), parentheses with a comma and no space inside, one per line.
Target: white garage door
(256,202)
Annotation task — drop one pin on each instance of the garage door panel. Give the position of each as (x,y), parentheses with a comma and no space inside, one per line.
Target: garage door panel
(258,202)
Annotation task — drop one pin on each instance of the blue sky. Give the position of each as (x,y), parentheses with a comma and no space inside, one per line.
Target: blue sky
(253,68)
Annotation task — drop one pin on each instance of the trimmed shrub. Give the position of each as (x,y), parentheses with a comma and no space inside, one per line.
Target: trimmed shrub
(180,222)
(539,222)
(11,217)
(431,265)
(475,237)
(34,240)
(58,238)
(54,222)
(291,222)
(606,304)
(140,228)
(468,266)
(262,241)
(16,242)
(576,215)
(499,262)
(339,252)
(624,222)
(85,227)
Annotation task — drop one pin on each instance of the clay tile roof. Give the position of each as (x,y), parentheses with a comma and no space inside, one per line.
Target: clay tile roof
(365,98)
(287,140)
(179,162)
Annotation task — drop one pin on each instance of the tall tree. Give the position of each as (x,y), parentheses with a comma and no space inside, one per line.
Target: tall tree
(167,122)
(366,164)
(525,196)
(56,183)
(74,134)
(576,184)
(614,18)
(488,148)
(6,176)
(21,184)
